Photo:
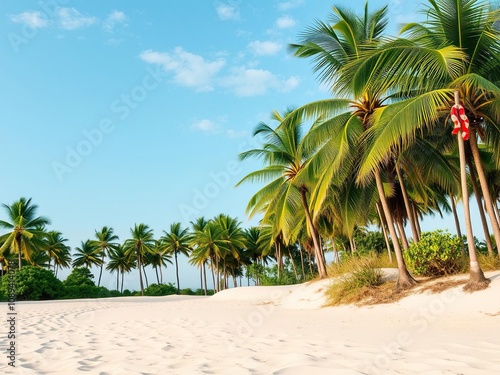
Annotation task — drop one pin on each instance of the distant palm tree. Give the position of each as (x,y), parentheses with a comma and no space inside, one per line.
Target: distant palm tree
(87,255)
(24,227)
(176,241)
(120,262)
(104,244)
(55,247)
(142,242)
(158,259)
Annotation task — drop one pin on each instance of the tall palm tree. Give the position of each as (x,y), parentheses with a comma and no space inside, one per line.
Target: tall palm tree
(158,259)
(199,258)
(142,242)
(104,243)
(284,157)
(120,262)
(341,123)
(174,242)
(24,229)
(87,255)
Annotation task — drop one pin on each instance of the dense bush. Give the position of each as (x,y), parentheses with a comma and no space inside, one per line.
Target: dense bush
(80,276)
(160,290)
(367,242)
(33,283)
(436,254)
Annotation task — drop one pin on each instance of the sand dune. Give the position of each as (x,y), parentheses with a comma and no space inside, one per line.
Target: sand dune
(261,330)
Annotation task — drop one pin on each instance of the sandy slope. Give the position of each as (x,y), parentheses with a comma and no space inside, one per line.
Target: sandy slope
(260,330)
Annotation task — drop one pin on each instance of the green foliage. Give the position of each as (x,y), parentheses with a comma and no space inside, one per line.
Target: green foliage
(80,276)
(351,287)
(86,291)
(269,275)
(33,283)
(127,293)
(201,292)
(367,242)
(436,254)
(186,292)
(350,263)
(160,290)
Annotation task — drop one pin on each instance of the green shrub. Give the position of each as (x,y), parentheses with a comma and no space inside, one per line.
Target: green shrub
(186,292)
(127,293)
(367,242)
(436,254)
(33,283)
(160,290)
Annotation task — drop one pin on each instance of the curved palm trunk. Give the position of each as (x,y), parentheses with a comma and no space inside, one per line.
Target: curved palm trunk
(205,277)
(383,224)
(157,276)
(318,252)
(177,272)
(161,274)
(405,280)
(457,223)
(123,277)
(302,262)
(19,259)
(145,275)
(293,264)
(100,272)
(139,266)
(477,193)
(484,187)
(406,200)
(477,280)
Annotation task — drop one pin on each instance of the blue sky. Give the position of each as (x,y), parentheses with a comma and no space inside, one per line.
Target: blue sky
(122,112)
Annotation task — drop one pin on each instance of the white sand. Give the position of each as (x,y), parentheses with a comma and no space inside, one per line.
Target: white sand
(260,330)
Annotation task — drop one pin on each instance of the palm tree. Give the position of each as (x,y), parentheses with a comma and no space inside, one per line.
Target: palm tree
(174,242)
(55,247)
(104,243)
(285,157)
(120,262)
(158,259)
(199,258)
(142,242)
(24,229)
(87,255)
(341,123)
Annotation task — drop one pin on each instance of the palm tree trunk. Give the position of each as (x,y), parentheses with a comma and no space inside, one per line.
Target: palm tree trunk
(457,223)
(402,184)
(139,266)
(157,275)
(484,187)
(213,276)
(205,277)
(123,277)
(161,275)
(279,259)
(117,280)
(405,280)
(402,233)
(18,240)
(310,263)
(318,252)
(477,193)
(384,230)
(293,264)
(145,275)
(352,244)
(100,272)
(177,272)
(477,280)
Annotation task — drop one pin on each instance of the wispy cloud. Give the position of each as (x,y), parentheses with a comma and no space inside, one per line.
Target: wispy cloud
(253,82)
(72,19)
(216,127)
(115,18)
(205,126)
(188,69)
(285,22)
(227,12)
(264,48)
(33,19)
(287,5)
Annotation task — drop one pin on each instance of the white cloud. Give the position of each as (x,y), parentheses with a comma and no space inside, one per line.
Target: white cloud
(231,133)
(285,22)
(116,17)
(227,12)
(253,82)
(287,5)
(33,19)
(264,48)
(206,126)
(71,19)
(189,70)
